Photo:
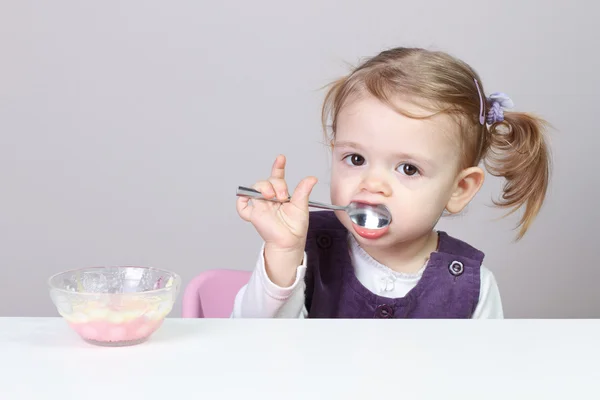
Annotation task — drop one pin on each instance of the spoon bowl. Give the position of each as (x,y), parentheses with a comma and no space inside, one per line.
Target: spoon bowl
(369,216)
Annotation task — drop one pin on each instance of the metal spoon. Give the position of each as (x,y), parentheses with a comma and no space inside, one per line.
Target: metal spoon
(365,215)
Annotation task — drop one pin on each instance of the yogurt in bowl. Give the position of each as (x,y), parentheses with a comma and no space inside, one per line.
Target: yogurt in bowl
(114,306)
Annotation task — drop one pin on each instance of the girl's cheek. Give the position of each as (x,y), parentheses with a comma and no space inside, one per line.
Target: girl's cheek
(408,184)
(412,183)
(344,171)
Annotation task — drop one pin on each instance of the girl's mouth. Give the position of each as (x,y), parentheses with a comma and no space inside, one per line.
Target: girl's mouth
(370,233)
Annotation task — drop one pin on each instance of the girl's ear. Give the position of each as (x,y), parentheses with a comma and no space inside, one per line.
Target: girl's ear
(467,184)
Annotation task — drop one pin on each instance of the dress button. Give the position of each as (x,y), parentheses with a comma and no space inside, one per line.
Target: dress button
(324,241)
(384,311)
(456,268)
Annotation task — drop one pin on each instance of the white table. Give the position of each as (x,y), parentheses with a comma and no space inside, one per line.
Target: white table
(41,358)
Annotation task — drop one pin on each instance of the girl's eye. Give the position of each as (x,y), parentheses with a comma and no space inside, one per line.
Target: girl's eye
(355,159)
(408,169)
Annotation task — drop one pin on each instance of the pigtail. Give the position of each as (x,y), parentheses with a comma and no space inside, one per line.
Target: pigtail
(517,151)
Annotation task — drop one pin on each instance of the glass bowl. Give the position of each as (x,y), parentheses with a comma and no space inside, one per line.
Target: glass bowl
(114,306)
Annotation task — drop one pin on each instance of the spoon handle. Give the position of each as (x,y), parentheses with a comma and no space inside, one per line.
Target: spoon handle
(243,191)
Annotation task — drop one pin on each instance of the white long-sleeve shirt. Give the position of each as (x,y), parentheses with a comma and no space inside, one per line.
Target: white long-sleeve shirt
(261,298)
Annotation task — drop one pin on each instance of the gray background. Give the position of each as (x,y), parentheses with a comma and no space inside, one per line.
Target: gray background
(127,125)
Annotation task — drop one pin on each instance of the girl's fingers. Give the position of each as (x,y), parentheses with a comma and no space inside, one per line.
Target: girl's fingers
(243,208)
(245,205)
(280,188)
(265,188)
(278,169)
(302,192)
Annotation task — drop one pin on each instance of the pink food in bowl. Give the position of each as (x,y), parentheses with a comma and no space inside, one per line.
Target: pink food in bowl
(129,331)
(133,321)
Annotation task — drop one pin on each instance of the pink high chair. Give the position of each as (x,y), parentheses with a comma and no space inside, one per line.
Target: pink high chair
(211,294)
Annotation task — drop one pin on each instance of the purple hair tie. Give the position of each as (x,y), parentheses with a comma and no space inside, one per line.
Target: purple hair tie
(498,102)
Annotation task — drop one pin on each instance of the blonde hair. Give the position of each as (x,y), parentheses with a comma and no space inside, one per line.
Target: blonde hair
(514,148)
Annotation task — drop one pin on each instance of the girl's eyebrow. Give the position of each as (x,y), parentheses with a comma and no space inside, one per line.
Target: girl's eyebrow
(347,144)
(416,157)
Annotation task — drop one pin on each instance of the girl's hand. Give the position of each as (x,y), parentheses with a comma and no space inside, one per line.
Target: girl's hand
(282,226)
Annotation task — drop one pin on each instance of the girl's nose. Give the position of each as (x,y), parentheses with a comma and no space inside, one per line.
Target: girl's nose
(376,184)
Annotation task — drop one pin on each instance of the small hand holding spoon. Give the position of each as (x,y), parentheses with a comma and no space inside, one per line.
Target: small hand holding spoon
(365,215)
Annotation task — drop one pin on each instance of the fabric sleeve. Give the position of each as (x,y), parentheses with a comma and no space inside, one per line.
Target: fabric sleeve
(490,303)
(261,298)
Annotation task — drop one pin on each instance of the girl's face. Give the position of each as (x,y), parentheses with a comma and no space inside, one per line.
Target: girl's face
(383,157)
